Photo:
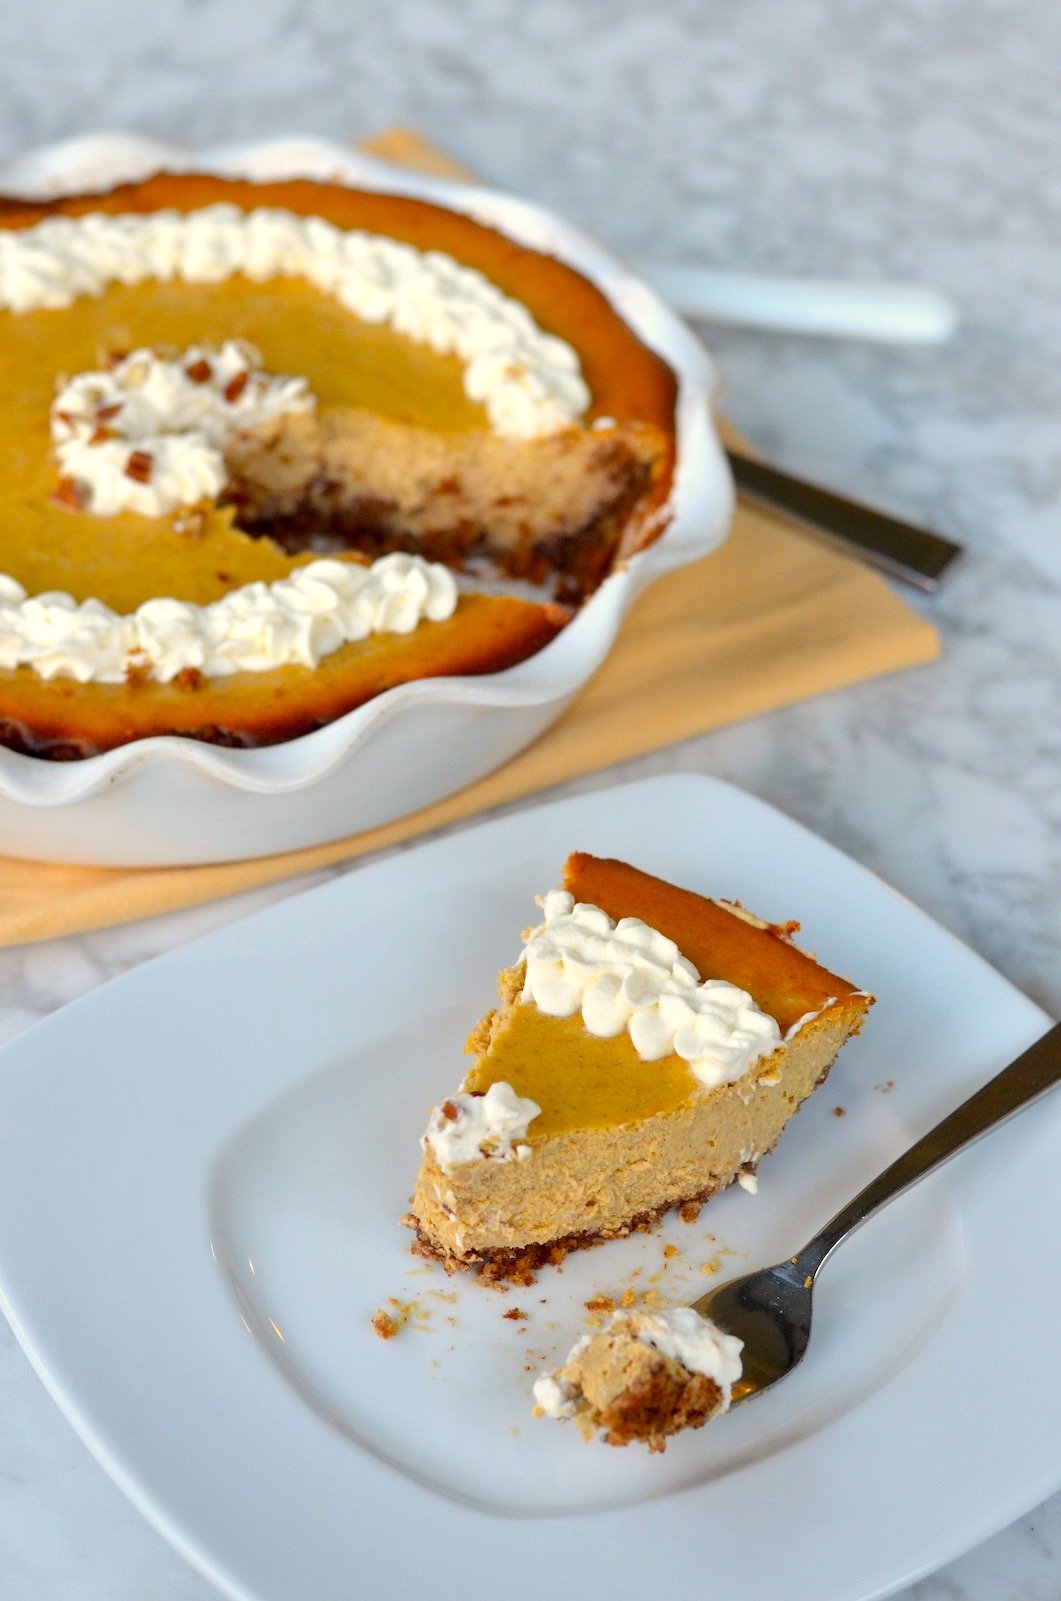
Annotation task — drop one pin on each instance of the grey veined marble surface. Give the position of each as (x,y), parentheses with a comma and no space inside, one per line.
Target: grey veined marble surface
(915,140)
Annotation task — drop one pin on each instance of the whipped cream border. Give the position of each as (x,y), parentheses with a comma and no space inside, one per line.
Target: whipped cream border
(295,621)
(625,976)
(530,382)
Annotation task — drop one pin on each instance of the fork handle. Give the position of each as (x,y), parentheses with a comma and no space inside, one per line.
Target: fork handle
(1009,1092)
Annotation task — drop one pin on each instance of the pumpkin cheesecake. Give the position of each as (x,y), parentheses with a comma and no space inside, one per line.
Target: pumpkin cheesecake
(649,1047)
(216,393)
(646,1376)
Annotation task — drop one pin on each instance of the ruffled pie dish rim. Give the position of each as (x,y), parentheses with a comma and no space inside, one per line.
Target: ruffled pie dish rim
(698,507)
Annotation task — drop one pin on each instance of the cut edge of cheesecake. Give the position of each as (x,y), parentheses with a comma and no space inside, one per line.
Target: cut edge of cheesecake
(505,1219)
(550,511)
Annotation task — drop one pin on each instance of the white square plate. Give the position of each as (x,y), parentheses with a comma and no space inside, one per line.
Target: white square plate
(201,1170)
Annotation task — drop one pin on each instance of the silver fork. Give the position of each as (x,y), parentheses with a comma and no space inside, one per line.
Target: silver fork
(770,1310)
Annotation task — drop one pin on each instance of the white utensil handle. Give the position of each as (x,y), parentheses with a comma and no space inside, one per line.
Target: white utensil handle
(899,313)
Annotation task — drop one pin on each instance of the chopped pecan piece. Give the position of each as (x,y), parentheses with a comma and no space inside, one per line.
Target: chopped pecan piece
(68,492)
(235,387)
(200,372)
(139,465)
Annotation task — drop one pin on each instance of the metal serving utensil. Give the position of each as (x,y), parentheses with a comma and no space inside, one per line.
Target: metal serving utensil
(770,1310)
(902,549)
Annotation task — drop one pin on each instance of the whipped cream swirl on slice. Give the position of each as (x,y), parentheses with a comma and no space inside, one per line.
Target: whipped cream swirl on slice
(148,434)
(629,976)
(529,381)
(296,621)
(468,1127)
(678,1332)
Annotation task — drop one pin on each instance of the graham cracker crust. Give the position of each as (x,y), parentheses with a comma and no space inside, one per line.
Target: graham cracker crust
(659,1405)
(520,1264)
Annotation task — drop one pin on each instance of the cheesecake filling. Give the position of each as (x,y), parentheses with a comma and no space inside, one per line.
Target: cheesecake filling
(147,434)
(294,622)
(529,381)
(628,977)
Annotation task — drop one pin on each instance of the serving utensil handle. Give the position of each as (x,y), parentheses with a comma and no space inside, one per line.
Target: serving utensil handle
(916,555)
(887,312)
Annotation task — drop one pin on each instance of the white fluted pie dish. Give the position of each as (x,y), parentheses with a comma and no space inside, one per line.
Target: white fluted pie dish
(174,800)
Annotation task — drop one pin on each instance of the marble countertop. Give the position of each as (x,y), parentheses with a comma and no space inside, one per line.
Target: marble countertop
(836,137)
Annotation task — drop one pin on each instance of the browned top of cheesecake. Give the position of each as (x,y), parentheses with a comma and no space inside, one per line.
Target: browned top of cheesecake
(398,385)
(783,980)
(581,1080)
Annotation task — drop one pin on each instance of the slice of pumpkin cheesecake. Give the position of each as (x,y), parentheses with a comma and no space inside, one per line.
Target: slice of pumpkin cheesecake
(649,1047)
